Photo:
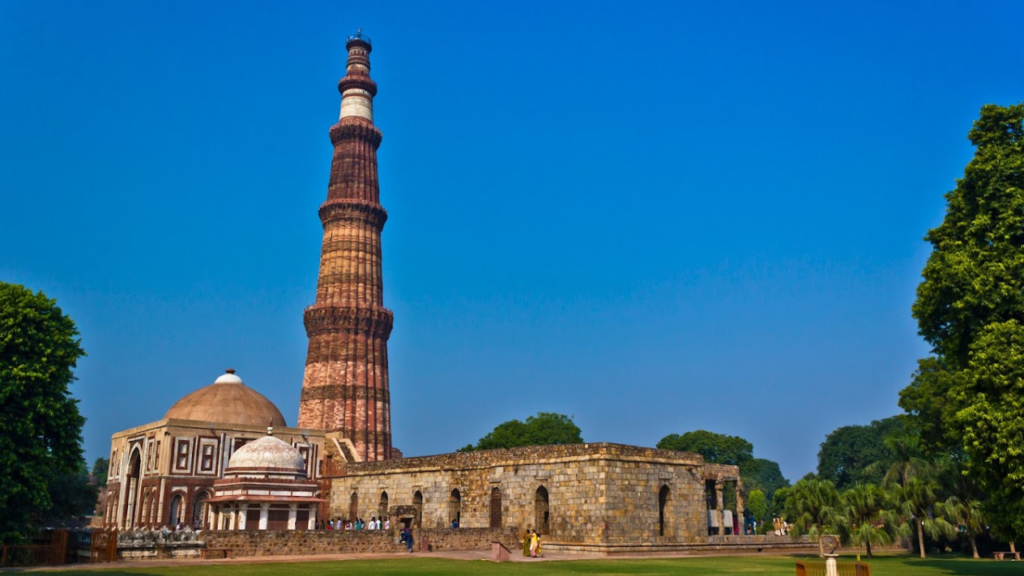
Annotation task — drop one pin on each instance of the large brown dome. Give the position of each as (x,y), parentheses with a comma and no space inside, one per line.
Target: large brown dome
(227,401)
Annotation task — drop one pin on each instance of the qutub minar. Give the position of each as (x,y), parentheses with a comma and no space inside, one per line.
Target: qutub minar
(345,387)
(223,459)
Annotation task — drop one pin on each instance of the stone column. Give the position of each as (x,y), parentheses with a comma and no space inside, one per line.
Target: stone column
(719,485)
(292,512)
(264,515)
(312,518)
(242,512)
(739,507)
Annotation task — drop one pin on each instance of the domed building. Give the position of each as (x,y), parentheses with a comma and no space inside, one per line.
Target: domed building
(164,472)
(265,487)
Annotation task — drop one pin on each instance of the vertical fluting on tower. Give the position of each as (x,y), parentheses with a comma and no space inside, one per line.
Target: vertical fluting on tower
(345,386)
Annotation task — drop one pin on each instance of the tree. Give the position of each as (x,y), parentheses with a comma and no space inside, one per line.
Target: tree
(40,427)
(758,505)
(764,475)
(71,495)
(848,453)
(860,522)
(99,471)
(716,448)
(816,509)
(543,429)
(970,309)
(966,515)
(912,506)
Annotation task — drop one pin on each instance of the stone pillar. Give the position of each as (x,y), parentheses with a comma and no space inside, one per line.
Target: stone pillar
(242,512)
(739,507)
(264,515)
(345,385)
(292,512)
(719,485)
(312,518)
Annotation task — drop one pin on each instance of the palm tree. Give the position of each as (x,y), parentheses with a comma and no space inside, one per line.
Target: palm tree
(914,503)
(815,507)
(861,514)
(966,514)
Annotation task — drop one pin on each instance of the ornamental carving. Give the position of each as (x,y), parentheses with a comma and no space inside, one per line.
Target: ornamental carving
(349,129)
(374,322)
(347,210)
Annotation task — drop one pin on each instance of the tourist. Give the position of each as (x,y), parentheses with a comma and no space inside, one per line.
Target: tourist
(387,523)
(539,552)
(534,541)
(373,523)
(455,522)
(407,537)
(526,542)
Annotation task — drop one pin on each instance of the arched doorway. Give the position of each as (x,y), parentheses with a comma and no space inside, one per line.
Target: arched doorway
(542,511)
(495,507)
(175,511)
(382,508)
(662,501)
(134,478)
(417,503)
(199,521)
(353,507)
(455,509)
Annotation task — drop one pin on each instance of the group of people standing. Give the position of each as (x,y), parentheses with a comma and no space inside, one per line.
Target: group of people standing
(531,544)
(357,524)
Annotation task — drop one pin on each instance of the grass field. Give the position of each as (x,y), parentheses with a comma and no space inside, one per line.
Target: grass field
(767,565)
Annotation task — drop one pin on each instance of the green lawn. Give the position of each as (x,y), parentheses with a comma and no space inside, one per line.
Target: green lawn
(767,565)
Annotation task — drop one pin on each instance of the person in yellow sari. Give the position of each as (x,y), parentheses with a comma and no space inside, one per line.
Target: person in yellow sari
(526,542)
(539,553)
(534,542)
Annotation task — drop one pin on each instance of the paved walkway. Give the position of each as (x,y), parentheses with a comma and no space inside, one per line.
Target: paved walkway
(517,556)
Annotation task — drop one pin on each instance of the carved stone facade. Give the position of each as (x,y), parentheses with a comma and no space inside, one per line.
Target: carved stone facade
(345,385)
(164,472)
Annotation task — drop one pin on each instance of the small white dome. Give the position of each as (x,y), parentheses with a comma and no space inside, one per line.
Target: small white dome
(267,455)
(228,377)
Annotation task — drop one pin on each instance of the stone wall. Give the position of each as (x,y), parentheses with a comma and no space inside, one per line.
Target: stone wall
(597,494)
(310,542)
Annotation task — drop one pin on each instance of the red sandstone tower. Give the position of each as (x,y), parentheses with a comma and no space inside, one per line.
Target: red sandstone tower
(345,386)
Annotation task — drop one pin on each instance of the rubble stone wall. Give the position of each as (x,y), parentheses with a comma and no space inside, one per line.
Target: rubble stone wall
(598,494)
(310,542)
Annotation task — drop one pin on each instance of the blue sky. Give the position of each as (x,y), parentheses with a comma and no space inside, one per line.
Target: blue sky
(655,217)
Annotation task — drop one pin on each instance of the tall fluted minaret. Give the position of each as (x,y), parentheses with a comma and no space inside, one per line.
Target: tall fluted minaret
(345,387)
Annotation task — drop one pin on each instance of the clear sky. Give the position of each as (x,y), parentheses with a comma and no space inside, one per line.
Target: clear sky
(653,217)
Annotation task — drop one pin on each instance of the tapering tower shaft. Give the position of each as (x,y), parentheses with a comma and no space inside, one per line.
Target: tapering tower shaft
(345,386)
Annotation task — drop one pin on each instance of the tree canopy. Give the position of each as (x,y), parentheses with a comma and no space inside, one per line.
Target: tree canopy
(543,429)
(970,309)
(40,427)
(716,448)
(857,454)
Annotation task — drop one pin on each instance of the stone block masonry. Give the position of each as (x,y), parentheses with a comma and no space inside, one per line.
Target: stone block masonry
(310,542)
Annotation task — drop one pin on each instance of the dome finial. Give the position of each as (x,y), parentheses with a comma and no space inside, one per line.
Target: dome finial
(270,428)
(229,371)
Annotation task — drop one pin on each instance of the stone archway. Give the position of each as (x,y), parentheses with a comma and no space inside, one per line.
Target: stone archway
(382,507)
(175,513)
(542,511)
(663,495)
(495,507)
(132,488)
(455,509)
(199,520)
(417,503)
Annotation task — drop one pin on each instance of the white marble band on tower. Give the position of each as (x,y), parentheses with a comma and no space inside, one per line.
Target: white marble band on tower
(357,102)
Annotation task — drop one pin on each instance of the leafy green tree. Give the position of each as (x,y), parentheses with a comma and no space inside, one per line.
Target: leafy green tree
(849,454)
(761,474)
(912,506)
(860,521)
(71,495)
(816,509)
(970,308)
(541,430)
(780,501)
(99,470)
(40,427)
(758,505)
(967,515)
(716,448)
